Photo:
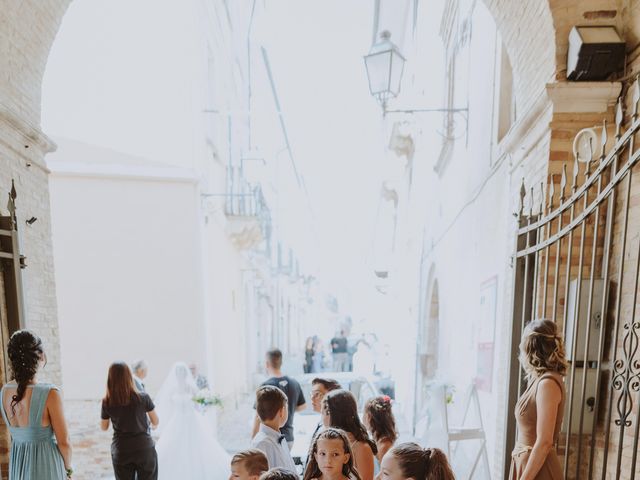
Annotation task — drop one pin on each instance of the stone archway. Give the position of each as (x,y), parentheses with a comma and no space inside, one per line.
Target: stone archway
(431,331)
(527,30)
(536,35)
(26,36)
(428,344)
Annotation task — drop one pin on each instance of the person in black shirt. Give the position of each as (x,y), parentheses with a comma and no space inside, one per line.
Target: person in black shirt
(340,351)
(308,355)
(289,386)
(130,411)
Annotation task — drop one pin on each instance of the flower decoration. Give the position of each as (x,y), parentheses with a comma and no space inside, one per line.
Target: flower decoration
(205,399)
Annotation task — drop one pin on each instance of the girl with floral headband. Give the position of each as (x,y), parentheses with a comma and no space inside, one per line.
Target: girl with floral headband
(381,424)
(411,461)
(540,409)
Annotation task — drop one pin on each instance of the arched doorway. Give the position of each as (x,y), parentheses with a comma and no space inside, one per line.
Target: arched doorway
(428,348)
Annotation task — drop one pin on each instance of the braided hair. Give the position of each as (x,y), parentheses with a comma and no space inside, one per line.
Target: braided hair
(379,417)
(25,351)
(422,463)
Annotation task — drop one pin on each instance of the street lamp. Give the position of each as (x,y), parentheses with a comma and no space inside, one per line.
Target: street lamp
(384,65)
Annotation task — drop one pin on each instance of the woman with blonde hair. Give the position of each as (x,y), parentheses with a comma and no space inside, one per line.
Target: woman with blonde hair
(540,408)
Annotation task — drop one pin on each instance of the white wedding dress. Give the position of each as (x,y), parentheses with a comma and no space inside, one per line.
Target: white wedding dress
(188,447)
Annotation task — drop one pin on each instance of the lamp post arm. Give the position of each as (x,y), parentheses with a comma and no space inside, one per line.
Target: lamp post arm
(462,111)
(427,110)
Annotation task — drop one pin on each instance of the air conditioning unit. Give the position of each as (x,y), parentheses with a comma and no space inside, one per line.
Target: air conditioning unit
(595,53)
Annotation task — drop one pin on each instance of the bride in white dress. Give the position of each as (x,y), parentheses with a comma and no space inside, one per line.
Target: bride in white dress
(188,447)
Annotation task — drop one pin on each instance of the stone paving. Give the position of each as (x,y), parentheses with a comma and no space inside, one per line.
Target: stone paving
(91,446)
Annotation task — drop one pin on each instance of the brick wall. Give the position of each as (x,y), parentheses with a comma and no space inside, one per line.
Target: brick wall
(27,31)
(538,54)
(528,34)
(38,278)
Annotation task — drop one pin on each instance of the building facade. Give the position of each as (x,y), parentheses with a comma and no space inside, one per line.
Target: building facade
(238,288)
(508,130)
(535,144)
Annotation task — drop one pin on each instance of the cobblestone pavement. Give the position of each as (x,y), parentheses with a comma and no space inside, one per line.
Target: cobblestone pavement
(91,446)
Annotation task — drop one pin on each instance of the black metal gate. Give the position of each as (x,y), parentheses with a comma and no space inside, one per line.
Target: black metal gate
(12,310)
(577,262)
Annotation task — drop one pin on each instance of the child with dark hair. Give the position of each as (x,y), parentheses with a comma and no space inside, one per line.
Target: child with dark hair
(279,474)
(411,461)
(379,420)
(330,457)
(272,408)
(340,410)
(319,388)
(290,387)
(248,465)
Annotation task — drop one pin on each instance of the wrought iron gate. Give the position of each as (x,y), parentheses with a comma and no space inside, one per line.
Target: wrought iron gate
(577,262)
(11,265)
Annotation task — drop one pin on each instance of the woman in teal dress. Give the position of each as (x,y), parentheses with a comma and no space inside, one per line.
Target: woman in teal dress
(40,448)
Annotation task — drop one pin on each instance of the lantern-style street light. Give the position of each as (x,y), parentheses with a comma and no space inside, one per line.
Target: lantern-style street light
(384,65)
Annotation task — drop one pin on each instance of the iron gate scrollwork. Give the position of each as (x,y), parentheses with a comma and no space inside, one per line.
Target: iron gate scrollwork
(577,262)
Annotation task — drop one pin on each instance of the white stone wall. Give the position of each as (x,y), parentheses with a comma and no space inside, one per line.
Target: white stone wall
(125,237)
(456,224)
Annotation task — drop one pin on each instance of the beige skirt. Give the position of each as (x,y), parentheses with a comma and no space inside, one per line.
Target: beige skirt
(550,470)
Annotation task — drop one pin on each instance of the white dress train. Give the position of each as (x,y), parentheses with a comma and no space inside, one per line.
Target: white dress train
(188,447)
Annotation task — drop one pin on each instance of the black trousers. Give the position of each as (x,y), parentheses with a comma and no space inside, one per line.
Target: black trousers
(141,465)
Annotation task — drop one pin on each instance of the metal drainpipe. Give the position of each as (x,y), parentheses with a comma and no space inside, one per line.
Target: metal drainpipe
(249,30)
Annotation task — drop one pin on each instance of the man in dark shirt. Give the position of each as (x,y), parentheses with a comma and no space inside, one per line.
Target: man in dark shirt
(291,389)
(339,349)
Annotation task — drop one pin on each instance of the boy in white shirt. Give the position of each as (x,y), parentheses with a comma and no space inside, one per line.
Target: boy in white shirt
(272,409)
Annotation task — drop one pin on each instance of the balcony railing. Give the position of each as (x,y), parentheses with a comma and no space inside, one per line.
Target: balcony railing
(246,210)
(249,204)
